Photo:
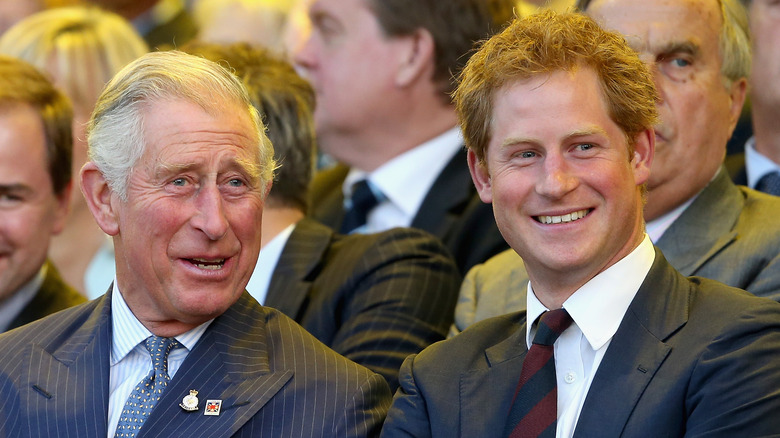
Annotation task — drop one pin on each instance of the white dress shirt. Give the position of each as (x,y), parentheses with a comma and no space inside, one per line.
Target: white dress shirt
(756,164)
(266,264)
(14,305)
(405,180)
(597,309)
(130,361)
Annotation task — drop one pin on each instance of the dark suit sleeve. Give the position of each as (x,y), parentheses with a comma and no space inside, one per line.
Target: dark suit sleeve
(408,415)
(365,416)
(402,300)
(735,385)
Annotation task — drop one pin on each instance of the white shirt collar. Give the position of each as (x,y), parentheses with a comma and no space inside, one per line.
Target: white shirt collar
(407,178)
(11,308)
(599,305)
(756,164)
(127,331)
(266,264)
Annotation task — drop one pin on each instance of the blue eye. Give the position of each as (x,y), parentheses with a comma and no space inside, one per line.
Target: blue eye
(527,154)
(680,62)
(179,182)
(235,182)
(585,146)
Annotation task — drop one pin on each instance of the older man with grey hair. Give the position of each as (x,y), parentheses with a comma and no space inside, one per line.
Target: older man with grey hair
(178,175)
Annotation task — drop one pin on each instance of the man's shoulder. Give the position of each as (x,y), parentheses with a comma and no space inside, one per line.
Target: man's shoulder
(327,181)
(49,332)
(760,207)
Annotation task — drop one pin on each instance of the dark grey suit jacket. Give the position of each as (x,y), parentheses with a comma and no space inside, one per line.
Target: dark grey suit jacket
(274,380)
(729,233)
(374,298)
(54,295)
(451,211)
(692,357)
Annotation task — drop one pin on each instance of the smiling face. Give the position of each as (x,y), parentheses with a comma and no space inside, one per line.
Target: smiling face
(188,236)
(679,40)
(565,193)
(30,211)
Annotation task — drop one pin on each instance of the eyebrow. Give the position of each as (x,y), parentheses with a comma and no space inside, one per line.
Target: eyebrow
(585,132)
(243,165)
(672,47)
(15,188)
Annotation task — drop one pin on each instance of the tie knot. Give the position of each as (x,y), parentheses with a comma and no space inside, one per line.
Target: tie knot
(363,197)
(159,348)
(770,183)
(551,325)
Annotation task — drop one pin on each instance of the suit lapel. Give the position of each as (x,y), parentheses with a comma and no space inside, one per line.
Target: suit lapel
(229,363)
(71,382)
(297,267)
(485,411)
(636,352)
(705,227)
(447,198)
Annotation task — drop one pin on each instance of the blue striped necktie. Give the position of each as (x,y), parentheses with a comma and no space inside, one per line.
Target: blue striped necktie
(534,411)
(149,390)
(362,201)
(770,183)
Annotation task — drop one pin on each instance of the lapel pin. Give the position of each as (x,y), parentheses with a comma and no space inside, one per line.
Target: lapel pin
(213,407)
(190,402)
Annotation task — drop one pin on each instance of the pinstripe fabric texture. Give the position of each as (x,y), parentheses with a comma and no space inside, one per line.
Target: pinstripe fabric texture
(274,380)
(451,211)
(374,298)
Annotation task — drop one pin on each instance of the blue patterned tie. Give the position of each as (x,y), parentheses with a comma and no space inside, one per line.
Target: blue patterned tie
(769,183)
(148,391)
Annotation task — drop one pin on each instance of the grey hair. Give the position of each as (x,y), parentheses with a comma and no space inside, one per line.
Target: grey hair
(115,132)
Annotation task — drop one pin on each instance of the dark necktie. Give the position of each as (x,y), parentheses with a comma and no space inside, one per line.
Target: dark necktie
(770,183)
(149,390)
(535,407)
(362,202)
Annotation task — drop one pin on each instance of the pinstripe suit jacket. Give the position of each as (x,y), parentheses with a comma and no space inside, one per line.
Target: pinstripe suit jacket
(374,298)
(53,296)
(691,358)
(729,233)
(451,211)
(275,380)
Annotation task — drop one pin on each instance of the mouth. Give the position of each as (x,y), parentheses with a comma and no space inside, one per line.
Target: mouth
(563,219)
(207,264)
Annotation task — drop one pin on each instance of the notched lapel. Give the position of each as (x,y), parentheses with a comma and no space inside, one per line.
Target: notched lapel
(78,370)
(637,351)
(229,363)
(705,228)
(292,278)
(484,412)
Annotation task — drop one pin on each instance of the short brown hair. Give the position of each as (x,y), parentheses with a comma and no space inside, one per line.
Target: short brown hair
(286,103)
(22,84)
(545,43)
(455,26)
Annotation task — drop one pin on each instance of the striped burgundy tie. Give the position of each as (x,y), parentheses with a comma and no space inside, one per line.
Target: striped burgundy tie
(535,407)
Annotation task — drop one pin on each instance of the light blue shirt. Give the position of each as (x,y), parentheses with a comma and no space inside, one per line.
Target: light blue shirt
(756,164)
(130,361)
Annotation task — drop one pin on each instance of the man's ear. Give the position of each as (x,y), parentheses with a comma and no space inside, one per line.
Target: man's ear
(98,196)
(737,94)
(416,56)
(481,177)
(644,151)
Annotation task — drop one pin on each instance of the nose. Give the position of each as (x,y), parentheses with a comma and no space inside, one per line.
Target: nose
(210,218)
(557,178)
(304,56)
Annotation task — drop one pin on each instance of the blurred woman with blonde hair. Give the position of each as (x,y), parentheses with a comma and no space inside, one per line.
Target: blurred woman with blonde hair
(80,48)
